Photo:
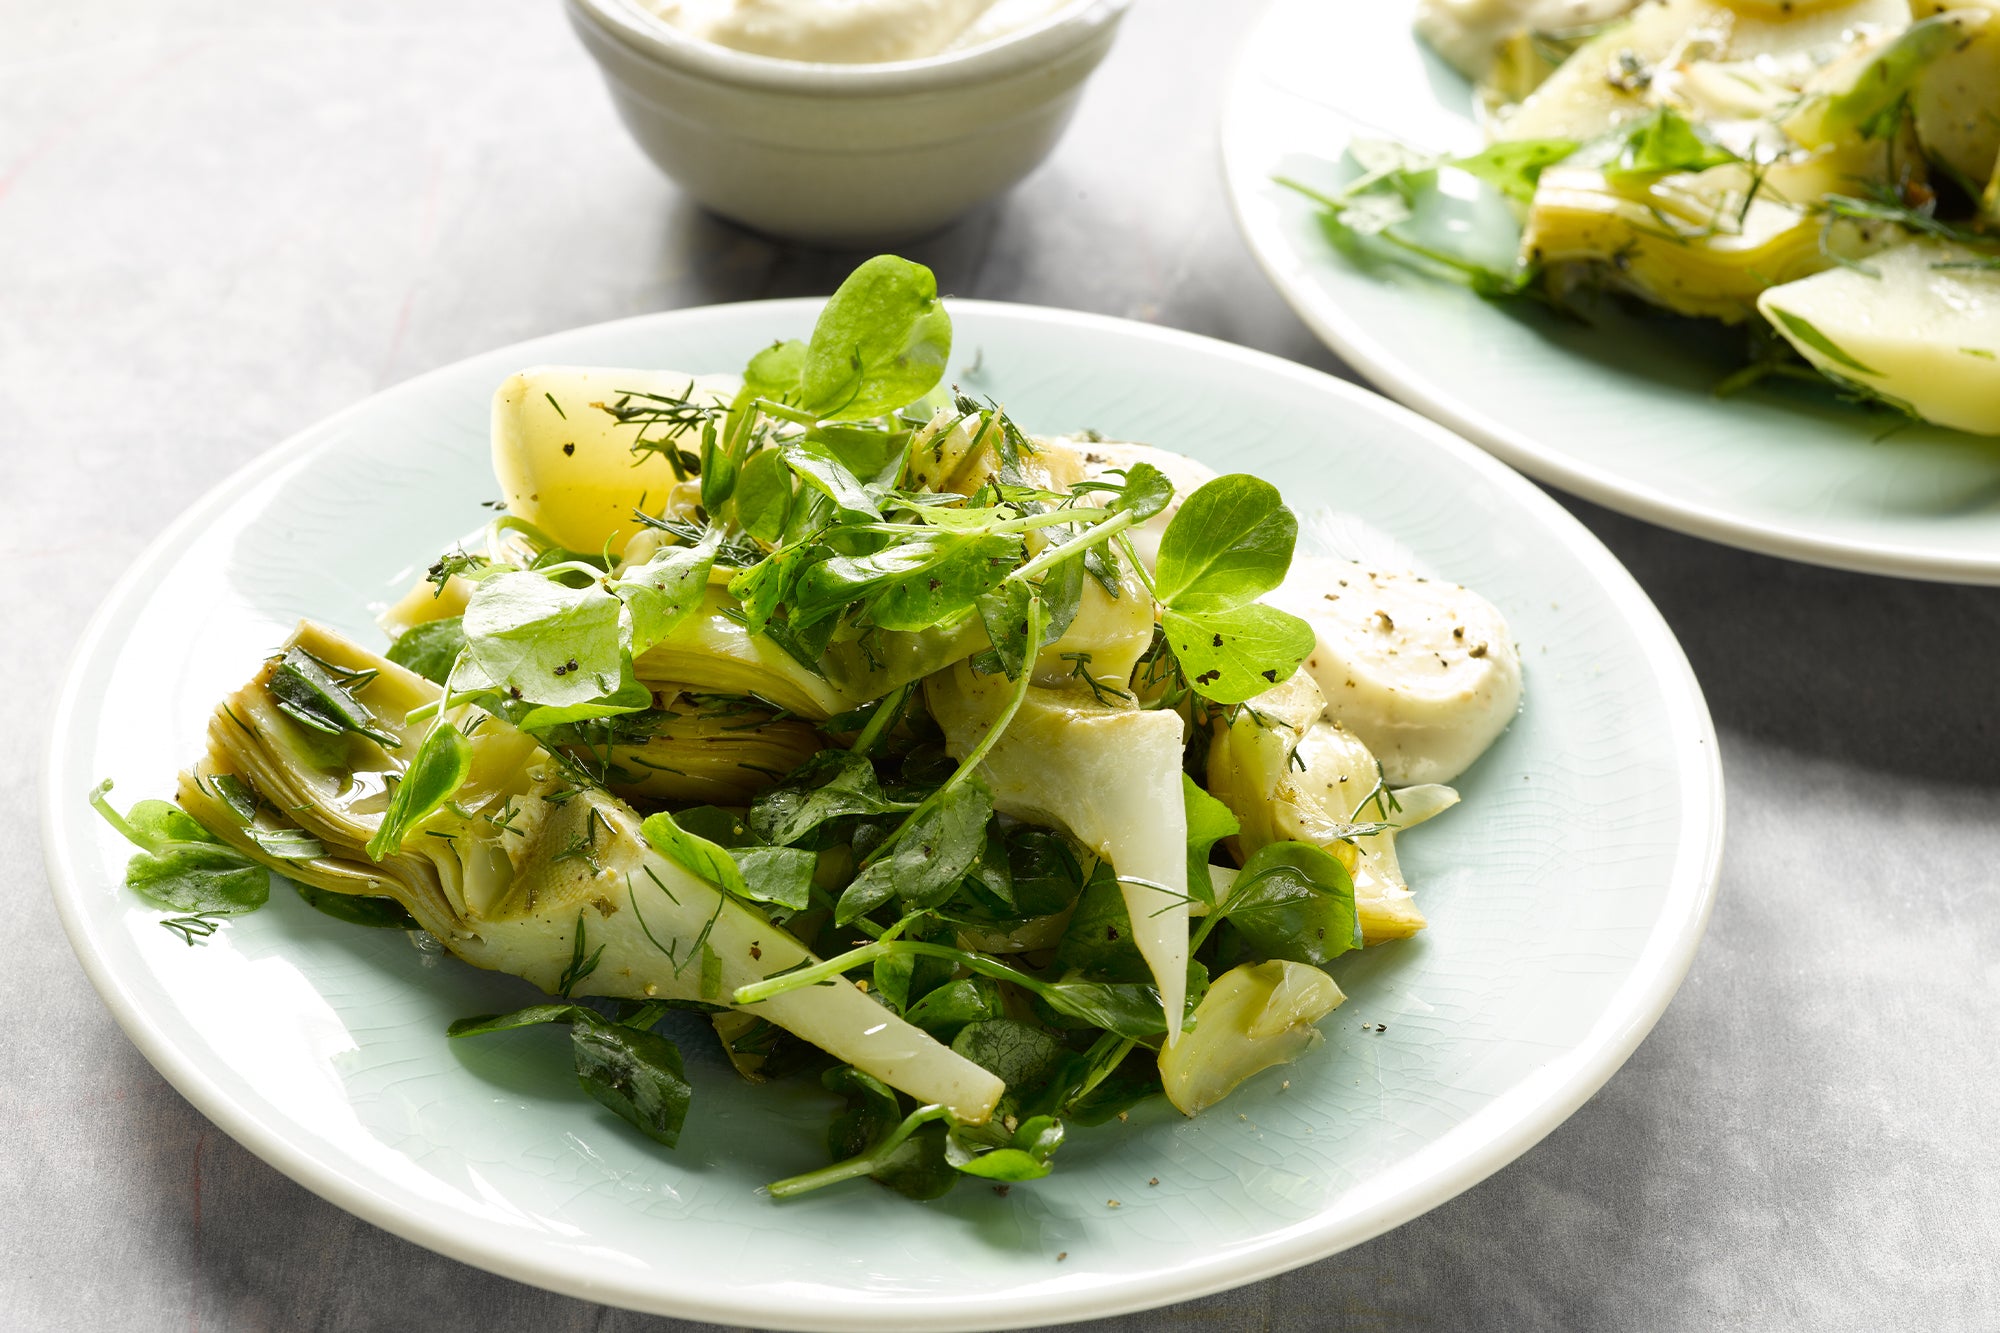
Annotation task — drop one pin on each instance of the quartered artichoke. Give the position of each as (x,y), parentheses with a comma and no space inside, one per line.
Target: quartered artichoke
(522,860)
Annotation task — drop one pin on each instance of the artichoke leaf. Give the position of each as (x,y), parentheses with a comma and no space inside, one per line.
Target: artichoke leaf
(1253,1017)
(1110,776)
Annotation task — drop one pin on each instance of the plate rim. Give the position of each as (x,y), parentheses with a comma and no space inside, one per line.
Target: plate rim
(1659,967)
(1288,271)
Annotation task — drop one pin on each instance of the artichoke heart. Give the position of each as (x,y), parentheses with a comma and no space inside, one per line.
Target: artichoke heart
(1253,1017)
(695,748)
(713,651)
(520,863)
(1110,775)
(1699,243)
(1287,776)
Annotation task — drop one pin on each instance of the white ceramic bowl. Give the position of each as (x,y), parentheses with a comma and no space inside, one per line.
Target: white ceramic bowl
(845,154)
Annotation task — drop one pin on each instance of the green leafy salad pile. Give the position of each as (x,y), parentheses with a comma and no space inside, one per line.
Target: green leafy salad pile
(956,770)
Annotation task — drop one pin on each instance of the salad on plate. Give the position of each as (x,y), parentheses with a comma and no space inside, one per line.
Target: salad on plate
(998,782)
(1823,175)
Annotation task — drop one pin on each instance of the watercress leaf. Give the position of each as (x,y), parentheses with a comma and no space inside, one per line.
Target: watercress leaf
(667,589)
(892,976)
(219,882)
(1234,656)
(866,451)
(437,770)
(925,867)
(1294,901)
(1020,1055)
(357,910)
(1514,166)
(913,584)
(1004,613)
(1136,1079)
(631,696)
(871,1115)
(830,784)
(1046,875)
(1026,1156)
(306,691)
(780,875)
(881,342)
(1128,1010)
(181,865)
(1146,492)
(1660,144)
(1229,544)
(532,1016)
(637,1074)
(764,495)
(993,872)
(826,474)
(532,638)
(1209,821)
(946,1010)
(430,649)
(693,853)
(1098,941)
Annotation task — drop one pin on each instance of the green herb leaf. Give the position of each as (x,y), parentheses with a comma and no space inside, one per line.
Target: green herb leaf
(1145,493)
(935,852)
(1663,143)
(531,638)
(1209,821)
(1234,656)
(695,854)
(357,910)
(831,784)
(774,372)
(182,866)
(1230,543)
(533,1016)
(1025,1157)
(316,696)
(1515,166)
(881,342)
(430,649)
(1294,901)
(1020,1055)
(436,772)
(946,1010)
(667,589)
(826,474)
(764,495)
(1800,329)
(913,584)
(637,1074)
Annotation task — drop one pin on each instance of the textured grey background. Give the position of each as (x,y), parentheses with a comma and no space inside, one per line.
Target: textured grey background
(221,220)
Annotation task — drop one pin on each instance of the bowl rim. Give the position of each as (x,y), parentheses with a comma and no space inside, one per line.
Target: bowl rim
(652,39)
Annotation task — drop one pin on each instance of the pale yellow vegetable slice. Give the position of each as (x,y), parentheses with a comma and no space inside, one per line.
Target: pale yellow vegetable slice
(1254,1017)
(566,464)
(1924,331)
(1109,775)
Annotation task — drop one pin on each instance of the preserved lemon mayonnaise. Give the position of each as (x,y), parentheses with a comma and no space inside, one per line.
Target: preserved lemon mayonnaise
(851,32)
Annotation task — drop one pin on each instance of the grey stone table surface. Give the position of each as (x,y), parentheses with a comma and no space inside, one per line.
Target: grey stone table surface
(221,220)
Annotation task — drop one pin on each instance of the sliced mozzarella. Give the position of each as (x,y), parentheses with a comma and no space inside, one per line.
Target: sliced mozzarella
(1423,672)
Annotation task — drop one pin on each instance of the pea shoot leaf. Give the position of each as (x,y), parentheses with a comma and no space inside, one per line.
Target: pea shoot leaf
(1230,543)
(924,868)
(764,495)
(532,638)
(181,866)
(437,770)
(831,784)
(881,342)
(429,649)
(1209,821)
(1661,144)
(1234,656)
(1294,901)
(316,695)
(666,590)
